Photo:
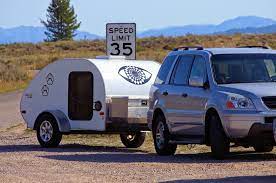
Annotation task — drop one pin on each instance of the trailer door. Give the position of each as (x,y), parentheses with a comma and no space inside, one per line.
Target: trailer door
(80,96)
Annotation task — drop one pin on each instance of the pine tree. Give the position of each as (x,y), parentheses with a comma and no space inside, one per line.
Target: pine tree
(61,23)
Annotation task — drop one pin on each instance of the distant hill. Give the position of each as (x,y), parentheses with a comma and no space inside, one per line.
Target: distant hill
(242,22)
(30,34)
(251,30)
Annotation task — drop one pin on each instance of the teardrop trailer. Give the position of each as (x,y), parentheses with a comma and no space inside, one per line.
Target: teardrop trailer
(106,95)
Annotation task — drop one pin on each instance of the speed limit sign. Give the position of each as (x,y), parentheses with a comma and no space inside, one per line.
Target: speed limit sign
(121,40)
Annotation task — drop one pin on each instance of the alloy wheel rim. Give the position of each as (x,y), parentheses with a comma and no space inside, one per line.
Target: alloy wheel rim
(160,140)
(130,137)
(46,131)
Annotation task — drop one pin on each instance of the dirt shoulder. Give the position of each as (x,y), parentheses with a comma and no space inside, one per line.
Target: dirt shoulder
(101,158)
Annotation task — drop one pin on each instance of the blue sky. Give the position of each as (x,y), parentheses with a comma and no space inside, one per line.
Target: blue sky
(148,14)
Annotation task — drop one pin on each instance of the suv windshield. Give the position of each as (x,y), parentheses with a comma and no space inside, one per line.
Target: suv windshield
(244,68)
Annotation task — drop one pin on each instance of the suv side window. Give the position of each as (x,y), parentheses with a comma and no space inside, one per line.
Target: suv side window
(182,70)
(164,70)
(199,68)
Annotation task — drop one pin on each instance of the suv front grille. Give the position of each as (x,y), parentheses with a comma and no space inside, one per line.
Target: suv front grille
(270,102)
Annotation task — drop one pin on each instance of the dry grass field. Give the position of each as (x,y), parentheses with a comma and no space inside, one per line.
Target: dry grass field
(18,61)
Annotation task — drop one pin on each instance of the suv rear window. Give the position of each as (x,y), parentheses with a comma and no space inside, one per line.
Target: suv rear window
(182,70)
(164,70)
(199,68)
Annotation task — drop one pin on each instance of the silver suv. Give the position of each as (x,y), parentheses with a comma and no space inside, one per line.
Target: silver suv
(215,97)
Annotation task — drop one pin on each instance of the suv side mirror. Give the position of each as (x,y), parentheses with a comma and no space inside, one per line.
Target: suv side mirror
(196,81)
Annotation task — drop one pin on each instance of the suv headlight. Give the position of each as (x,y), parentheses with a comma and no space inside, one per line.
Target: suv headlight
(239,102)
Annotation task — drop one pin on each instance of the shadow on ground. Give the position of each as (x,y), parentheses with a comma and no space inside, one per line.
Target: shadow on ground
(107,154)
(66,148)
(244,179)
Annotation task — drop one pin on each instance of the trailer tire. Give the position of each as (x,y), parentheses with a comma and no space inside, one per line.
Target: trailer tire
(263,148)
(48,134)
(133,140)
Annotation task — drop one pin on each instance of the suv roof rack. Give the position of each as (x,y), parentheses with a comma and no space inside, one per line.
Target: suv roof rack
(263,47)
(188,48)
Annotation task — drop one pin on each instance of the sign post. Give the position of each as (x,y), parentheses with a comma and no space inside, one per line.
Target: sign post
(121,40)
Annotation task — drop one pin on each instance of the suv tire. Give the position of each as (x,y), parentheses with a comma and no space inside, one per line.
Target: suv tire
(263,148)
(161,137)
(133,140)
(220,144)
(48,134)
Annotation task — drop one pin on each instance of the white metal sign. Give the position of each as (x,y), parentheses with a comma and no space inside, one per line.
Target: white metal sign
(121,40)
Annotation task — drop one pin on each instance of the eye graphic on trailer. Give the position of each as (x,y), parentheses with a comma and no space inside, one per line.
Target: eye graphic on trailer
(135,75)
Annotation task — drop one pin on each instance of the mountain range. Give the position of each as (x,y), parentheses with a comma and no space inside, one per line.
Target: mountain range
(243,24)
(228,26)
(30,34)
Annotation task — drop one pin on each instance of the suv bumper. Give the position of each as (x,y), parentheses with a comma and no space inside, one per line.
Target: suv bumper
(243,124)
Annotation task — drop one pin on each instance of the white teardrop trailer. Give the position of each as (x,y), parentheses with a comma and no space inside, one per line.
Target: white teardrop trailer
(90,96)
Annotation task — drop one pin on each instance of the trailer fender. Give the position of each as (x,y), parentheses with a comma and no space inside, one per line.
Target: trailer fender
(63,122)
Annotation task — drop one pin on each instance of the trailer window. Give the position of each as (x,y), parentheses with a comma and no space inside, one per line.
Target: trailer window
(80,96)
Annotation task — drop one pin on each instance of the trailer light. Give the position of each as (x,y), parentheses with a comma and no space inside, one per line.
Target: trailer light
(102,115)
(144,102)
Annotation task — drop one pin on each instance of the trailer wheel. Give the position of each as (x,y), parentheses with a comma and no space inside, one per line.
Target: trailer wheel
(133,140)
(263,148)
(48,134)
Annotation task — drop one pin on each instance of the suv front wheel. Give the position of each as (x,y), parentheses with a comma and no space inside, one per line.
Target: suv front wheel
(220,144)
(161,137)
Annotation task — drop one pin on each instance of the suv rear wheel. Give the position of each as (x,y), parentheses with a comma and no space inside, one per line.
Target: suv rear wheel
(220,144)
(161,137)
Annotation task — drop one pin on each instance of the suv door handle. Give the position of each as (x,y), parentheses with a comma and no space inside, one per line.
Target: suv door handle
(165,93)
(184,95)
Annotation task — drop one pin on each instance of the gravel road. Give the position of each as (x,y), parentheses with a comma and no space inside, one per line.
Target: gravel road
(105,160)
(9,109)
(22,160)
